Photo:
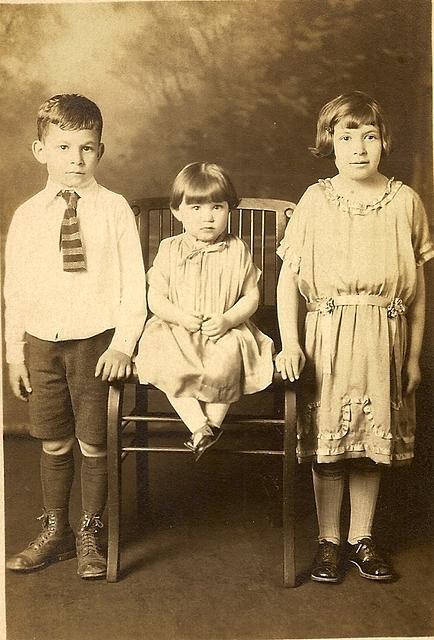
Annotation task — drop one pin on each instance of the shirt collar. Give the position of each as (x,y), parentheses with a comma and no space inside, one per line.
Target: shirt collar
(52,189)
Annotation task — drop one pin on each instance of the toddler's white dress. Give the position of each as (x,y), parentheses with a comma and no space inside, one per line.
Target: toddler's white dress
(205,279)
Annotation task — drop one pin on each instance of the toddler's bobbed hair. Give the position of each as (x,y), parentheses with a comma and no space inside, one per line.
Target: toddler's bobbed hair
(355,109)
(69,111)
(201,182)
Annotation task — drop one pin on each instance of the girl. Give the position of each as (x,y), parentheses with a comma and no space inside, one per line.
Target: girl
(200,347)
(354,248)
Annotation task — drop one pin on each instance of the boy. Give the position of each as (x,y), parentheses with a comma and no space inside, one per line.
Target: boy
(75,296)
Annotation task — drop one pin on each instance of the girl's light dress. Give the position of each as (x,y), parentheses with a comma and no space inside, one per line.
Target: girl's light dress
(206,279)
(356,265)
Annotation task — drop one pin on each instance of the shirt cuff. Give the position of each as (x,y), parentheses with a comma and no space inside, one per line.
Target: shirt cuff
(123,344)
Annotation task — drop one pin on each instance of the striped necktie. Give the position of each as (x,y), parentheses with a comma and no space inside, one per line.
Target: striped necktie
(70,239)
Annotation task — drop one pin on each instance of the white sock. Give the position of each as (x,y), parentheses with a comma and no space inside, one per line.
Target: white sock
(328,490)
(216,412)
(364,486)
(190,412)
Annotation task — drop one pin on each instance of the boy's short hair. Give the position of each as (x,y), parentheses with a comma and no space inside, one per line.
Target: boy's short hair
(356,109)
(203,182)
(69,111)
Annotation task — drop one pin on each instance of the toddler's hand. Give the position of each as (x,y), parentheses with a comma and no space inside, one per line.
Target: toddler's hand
(20,381)
(113,365)
(215,326)
(412,376)
(291,363)
(191,321)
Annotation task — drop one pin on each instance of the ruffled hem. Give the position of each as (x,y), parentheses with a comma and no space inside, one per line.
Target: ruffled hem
(360,208)
(400,460)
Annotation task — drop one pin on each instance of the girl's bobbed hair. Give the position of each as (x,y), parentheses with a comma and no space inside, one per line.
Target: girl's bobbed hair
(200,182)
(355,109)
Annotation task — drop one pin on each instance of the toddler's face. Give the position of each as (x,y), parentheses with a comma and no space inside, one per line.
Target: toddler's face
(205,221)
(71,156)
(357,151)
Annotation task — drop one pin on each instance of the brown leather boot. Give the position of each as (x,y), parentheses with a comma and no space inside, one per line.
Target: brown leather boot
(55,542)
(91,558)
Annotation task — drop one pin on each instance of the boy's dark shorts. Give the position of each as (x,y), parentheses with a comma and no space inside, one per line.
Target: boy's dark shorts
(67,399)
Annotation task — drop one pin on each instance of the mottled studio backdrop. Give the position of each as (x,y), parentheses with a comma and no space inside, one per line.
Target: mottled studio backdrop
(239,83)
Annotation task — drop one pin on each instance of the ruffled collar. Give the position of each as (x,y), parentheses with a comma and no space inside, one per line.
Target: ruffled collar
(360,208)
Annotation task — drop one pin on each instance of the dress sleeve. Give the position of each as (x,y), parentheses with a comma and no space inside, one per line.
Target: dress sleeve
(251,273)
(158,274)
(291,246)
(423,245)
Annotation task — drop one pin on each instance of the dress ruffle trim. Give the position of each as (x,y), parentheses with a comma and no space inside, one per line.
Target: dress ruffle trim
(287,253)
(360,208)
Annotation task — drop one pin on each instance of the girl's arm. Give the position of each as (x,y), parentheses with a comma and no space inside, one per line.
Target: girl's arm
(416,323)
(219,323)
(291,360)
(161,306)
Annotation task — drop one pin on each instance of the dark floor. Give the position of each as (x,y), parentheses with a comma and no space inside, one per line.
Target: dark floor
(207,563)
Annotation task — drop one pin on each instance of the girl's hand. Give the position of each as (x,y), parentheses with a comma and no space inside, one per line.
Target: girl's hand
(20,381)
(290,363)
(215,326)
(412,376)
(191,321)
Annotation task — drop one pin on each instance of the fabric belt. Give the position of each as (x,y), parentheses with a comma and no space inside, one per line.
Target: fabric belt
(326,306)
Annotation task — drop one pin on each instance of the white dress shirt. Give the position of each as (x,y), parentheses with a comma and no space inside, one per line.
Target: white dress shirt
(52,304)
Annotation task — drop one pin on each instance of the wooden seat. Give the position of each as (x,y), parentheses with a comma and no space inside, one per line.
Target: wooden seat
(261,223)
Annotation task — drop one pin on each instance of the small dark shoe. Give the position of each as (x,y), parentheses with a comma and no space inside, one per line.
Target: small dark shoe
(325,566)
(371,565)
(92,562)
(190,443)
(56,542)
(207,441)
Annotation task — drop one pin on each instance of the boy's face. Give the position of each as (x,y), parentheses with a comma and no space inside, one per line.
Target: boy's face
(71,156)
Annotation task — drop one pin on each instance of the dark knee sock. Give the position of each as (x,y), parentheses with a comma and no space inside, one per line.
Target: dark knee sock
(94,484)
(57,474)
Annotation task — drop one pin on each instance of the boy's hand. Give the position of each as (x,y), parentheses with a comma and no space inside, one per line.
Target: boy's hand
(412,376)
(215,326)
(20,381)
(191,321)
(113,365)
(290,363)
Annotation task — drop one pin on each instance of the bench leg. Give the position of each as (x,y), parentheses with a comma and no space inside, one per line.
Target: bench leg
(114,434)
(142,465)
(289,462)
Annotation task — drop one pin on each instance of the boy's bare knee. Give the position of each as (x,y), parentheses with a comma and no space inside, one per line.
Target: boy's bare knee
(92,450)
(58,447)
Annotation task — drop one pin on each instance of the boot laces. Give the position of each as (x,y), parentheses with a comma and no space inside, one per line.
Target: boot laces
(89,540)
(48,529)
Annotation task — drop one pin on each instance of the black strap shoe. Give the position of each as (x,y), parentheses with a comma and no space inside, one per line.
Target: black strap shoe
(207,441)
(371,565)
(190,443)
(325,566)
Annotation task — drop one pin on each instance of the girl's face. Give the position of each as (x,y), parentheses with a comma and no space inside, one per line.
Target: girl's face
(205,221)
(357,151)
